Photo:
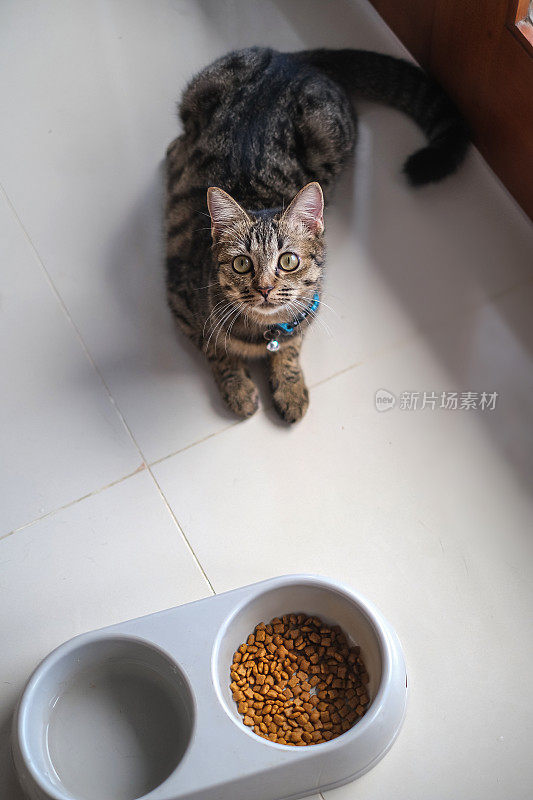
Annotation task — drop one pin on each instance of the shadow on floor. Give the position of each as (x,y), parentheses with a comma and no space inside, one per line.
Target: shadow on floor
(7,770)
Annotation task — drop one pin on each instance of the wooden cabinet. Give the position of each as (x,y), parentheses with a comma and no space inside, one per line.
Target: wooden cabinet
(484,60)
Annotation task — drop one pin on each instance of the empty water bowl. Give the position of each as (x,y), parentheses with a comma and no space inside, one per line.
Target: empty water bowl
(106,718)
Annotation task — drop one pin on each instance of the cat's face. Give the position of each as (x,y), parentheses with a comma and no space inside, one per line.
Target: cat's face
(269,263)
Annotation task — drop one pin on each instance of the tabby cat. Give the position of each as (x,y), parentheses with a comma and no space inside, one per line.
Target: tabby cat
(265,135)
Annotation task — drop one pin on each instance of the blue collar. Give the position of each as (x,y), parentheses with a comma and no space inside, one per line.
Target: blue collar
(273,334)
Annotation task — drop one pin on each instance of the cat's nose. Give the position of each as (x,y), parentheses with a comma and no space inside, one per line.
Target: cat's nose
(265,290)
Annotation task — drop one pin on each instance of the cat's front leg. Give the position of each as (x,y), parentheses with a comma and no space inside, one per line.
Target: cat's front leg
(287,383)
(237,389)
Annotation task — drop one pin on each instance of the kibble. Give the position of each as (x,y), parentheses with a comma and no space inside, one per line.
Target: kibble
(297,681)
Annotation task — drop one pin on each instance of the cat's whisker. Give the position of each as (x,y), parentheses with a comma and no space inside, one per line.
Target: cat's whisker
(320,319)
(336,297)
(303,307)
(218,318)
(207,286)
(228,332)
(225,321)
(222,300)
(246,316)
(211,333)
(219,314)
(325,305)
(322,322)
(220,323)
(214,311)
(295,308)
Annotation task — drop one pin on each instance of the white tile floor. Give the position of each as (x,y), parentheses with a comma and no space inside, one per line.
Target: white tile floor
(427,512)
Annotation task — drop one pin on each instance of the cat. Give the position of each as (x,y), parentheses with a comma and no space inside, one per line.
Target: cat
(265,135)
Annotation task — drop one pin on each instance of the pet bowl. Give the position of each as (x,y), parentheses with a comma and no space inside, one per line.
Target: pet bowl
(143,709)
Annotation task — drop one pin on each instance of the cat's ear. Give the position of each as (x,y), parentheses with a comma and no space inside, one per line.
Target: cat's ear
(225,212)
(307,208)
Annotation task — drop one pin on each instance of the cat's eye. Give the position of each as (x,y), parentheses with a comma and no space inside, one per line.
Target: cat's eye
(289,262)
(242,264)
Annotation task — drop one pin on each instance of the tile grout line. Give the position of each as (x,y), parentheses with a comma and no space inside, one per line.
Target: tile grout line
(74,502)
(336,374)
(70,319)
(179,527)
(108,391)
(101,489)
(397,345)
(193,444)
(144,466)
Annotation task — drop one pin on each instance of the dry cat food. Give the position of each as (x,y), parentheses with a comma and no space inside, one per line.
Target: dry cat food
(297,681)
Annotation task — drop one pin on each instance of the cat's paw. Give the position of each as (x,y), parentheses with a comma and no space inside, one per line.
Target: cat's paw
(291,401)
(240,395)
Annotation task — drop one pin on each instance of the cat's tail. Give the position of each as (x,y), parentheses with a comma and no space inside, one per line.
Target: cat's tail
(406,87)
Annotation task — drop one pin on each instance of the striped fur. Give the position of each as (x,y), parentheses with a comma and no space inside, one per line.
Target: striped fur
(260,125)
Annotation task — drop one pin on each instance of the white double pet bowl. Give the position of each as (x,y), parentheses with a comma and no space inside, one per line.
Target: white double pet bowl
(143,709)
